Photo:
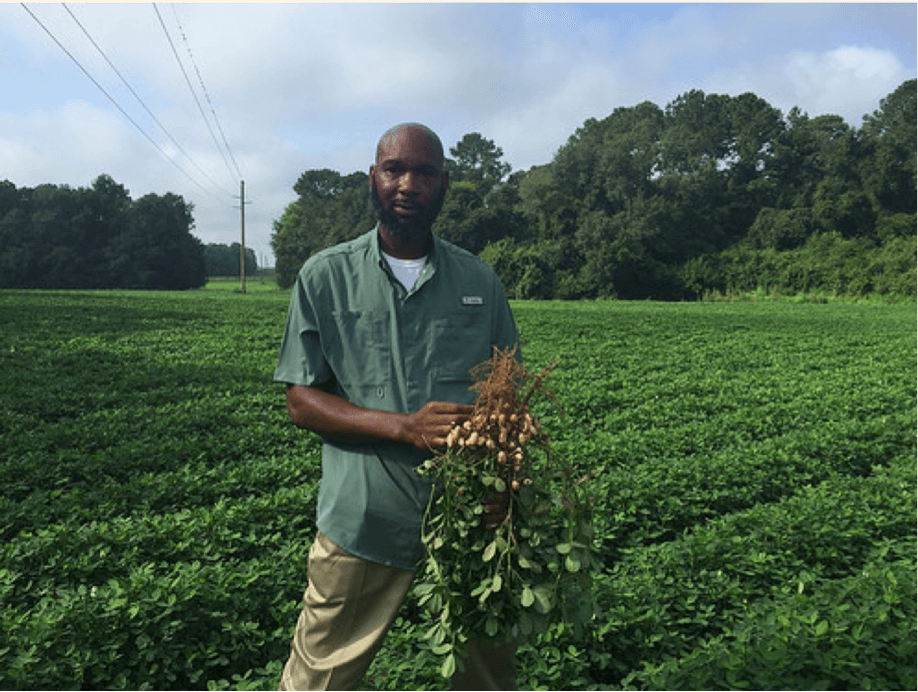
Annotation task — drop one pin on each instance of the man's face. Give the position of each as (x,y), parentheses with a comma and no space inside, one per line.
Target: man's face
(408,184)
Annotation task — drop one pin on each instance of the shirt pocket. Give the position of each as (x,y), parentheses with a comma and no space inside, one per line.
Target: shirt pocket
(356,345)
(460,341)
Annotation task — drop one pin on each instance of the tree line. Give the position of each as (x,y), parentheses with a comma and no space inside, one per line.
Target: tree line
(55,236)
(712,194)
(223,260)
(58,237)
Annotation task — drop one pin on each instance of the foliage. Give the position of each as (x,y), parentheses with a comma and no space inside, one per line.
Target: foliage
(57,237)
(752,495)
(652,202)
(508,580)
(331,208)
(857,632)
(224,260)
(826,262)
(478,162)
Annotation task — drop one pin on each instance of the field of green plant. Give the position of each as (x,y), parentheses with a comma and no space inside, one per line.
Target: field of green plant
(753,463)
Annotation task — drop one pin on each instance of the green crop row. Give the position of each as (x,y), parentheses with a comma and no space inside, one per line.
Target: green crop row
(662,598)
(678,615)
(852,633)
(657,500)
(91,553)
(161,626)
(77,486)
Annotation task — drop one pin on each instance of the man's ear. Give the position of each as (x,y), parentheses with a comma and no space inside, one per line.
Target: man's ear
(445,180)
(372,173)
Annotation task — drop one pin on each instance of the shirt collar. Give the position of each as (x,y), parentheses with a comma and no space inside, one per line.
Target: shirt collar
(379,260)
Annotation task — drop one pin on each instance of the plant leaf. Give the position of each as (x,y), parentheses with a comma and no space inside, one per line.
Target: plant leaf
(542,598)
(449,666)
(490,551)
(527,598)
(572,564)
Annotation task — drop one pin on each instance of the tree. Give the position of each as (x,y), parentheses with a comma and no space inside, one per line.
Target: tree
(547,208)
(479,208)
(780,229)
(477,160)
(322,184)
(157,251)
(58,237)
(698,132)
(331,208)
(223,260)
(524,271)
(456,220)
(16,256)
(9,197)
(890,134)
(107,209)
(290,246)
(606,165)
(842,206)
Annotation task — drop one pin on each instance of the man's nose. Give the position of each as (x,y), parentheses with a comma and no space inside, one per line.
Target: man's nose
(408,183)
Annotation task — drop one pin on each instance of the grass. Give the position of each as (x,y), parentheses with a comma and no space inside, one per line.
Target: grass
(257,283)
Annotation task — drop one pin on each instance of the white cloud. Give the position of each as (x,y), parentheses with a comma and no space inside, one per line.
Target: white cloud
(41,145)
(848,80)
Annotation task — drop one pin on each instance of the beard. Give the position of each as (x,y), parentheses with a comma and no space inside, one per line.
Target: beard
(409,230)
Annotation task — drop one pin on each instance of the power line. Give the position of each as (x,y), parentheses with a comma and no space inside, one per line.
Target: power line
(114,102)
(140,100)
(191,88)
(204,89)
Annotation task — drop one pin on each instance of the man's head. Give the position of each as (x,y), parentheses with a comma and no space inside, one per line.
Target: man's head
(408,182)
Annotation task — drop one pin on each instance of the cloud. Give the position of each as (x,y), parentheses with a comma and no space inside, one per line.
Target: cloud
(848,80)
(40,144)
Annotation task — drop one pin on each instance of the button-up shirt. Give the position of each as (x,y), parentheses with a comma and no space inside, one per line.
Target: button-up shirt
(354,330)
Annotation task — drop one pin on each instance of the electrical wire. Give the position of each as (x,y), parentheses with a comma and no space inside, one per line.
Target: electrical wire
(140,100)
(204,89)
(114,102)
(191,88)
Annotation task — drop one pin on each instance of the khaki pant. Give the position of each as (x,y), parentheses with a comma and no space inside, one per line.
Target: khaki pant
(348,607)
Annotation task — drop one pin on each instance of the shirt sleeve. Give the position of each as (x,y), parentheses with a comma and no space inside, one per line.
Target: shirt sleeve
(301,360)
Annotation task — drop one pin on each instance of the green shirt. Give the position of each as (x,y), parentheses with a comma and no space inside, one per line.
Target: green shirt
(354,330)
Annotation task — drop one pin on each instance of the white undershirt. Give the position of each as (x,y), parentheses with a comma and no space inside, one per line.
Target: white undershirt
(406,271)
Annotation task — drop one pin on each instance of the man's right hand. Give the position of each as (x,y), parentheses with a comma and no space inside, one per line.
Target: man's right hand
(428,427)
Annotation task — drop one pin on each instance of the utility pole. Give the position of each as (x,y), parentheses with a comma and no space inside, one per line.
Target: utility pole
(242,246)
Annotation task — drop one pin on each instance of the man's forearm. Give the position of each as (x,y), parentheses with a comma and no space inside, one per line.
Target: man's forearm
(339,420)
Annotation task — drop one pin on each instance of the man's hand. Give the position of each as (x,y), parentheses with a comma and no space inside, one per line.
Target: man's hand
(428,427)
(338,419)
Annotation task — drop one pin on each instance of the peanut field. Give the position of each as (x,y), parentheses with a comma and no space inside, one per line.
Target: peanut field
(752,464)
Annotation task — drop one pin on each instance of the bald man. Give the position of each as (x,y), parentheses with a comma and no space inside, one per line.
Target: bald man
(381,334)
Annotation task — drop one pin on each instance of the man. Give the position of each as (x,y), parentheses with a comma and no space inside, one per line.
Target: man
(381,334)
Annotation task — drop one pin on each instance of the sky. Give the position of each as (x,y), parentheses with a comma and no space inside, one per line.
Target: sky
(212,94)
